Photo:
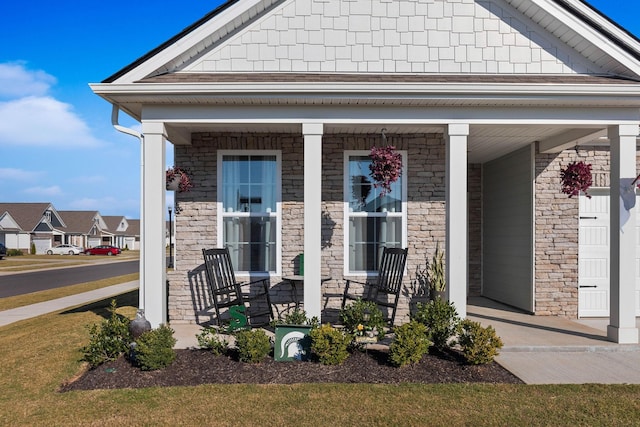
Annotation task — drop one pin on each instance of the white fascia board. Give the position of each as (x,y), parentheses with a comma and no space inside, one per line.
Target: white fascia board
(109,90)
(374,115)
(591,34)
(188,41)
(605,23)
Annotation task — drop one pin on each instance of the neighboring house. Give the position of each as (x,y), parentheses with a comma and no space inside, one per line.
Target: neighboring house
(124,235)
(132,235)
(273,105)
(24,223)
(86,229)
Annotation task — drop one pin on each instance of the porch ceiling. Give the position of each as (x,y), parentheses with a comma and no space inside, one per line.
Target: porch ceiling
(485,142)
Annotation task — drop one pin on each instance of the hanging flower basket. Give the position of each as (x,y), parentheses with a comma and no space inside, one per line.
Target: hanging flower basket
(576,177)
(385,167)
(178,180)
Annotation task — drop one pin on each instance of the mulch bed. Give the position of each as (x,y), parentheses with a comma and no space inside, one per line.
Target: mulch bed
(194,367)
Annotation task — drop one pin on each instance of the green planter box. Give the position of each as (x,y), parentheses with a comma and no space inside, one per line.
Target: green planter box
(292,343)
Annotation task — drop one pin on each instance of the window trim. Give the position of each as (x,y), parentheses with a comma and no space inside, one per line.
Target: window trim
(220,214)
(347,215)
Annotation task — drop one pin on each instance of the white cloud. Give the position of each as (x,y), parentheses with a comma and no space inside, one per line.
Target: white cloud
(16,81)
(33,118)
(53,190)
(12,174)
(42,122)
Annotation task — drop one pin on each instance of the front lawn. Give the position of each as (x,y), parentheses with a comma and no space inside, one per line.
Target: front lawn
(40,354)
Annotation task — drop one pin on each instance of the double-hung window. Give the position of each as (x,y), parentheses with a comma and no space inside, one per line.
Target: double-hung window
(249,199)
(372,221)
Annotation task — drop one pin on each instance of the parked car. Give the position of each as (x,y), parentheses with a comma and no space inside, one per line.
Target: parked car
(65,250)
(3,251)
(103,250)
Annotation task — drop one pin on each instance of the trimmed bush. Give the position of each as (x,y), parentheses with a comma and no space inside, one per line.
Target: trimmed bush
(479,345)
(330,345)
(14,252)
(253,345)
(353,315)
(441,319)
(109,339)
(154,349)
(410,344)
(208,339)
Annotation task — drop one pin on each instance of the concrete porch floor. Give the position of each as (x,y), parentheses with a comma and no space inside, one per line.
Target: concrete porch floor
(554,350)
(538,349)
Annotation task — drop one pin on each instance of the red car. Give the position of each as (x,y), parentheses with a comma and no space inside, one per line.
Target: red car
(102,250)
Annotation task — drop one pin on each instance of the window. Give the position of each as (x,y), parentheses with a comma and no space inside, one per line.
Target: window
(249,209)
(373,222)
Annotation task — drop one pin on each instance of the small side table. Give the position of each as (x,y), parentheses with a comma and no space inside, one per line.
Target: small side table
(296,280)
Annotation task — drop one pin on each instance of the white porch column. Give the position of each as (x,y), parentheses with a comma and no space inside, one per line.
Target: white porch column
(456,208)
(312,218)
(622,323)
(153,277)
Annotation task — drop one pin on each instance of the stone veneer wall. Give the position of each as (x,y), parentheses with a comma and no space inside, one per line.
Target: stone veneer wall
(195,219)
(556,233)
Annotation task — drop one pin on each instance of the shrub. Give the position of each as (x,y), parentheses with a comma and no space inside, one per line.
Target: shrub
(479,345)
(410,343)
(441,319)
(297,317)
(330,345)
(14,252)
(253,345)
(32,250)
(109,339)
(208,339)
(154,349)
(353,315)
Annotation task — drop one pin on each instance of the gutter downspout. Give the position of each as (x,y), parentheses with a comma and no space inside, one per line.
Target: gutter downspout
(115,110)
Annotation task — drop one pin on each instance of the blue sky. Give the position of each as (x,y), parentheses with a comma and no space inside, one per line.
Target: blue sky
(56,140)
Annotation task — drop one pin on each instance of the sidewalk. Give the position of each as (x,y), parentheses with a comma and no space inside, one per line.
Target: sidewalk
(29,311)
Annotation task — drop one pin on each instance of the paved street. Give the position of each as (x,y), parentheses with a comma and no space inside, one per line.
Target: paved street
(40,280)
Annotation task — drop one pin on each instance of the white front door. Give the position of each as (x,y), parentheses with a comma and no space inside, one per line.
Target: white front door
(593,256)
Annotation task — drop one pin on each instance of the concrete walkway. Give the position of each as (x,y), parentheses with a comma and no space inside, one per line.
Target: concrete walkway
(538,349)
(29,311)
(554,350)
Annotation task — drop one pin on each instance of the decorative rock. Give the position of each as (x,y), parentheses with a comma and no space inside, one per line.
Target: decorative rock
(139,325)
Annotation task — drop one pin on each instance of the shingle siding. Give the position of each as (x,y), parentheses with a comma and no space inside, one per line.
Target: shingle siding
(401,36)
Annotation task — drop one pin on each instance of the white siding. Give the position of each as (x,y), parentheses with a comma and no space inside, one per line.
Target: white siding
(507,230)
(408,36)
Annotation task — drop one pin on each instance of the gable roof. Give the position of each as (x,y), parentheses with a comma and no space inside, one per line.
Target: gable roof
(82,222)
(574,23)
(116,224)
(27,216)
(268,65)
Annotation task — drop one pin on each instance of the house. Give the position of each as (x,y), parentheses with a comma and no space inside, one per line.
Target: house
(86,229)
(22,224)
(273,105)
(125,234)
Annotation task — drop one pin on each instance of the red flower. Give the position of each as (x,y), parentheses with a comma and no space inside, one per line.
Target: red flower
(385,167)
(185,180)
(576,177)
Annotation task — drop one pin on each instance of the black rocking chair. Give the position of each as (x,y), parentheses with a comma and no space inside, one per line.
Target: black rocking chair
(227,292)
(385,290)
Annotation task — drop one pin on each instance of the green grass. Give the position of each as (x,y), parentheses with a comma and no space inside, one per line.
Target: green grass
(41,353)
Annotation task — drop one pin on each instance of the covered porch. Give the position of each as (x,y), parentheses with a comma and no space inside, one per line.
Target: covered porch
(483,135)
